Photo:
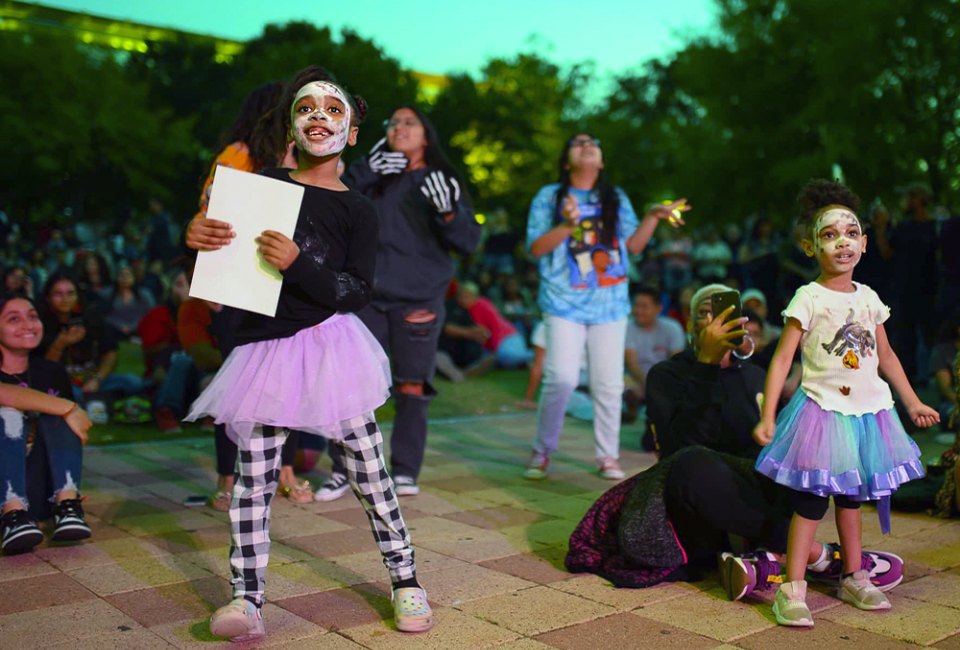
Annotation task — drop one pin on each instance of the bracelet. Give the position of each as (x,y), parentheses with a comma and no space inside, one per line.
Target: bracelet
(73,407)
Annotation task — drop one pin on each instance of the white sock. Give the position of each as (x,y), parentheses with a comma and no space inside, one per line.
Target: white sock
(822,562)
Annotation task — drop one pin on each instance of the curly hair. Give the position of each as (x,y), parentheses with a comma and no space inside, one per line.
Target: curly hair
(255,125)
(820,193)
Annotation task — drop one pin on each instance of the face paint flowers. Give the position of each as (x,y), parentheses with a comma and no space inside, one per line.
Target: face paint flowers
(320,119)
(838,240)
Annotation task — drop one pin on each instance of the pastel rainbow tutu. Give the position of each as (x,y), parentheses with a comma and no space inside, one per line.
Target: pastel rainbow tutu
(311,381)
(865,457)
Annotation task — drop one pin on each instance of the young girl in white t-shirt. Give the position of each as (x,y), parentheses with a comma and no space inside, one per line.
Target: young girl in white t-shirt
(840,434)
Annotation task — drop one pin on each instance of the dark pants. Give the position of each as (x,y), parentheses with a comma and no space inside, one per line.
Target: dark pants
(412,348)
(711,496)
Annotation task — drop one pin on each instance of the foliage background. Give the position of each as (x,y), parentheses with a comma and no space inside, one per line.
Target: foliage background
(786,90)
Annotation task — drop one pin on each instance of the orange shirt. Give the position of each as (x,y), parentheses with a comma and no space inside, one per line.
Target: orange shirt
(235,156)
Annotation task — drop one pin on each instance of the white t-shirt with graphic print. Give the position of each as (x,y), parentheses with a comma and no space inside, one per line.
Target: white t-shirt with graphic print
(841,370)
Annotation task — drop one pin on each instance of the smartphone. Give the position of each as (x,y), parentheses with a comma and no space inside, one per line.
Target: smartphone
(195,501)
(721,301)
(75,321)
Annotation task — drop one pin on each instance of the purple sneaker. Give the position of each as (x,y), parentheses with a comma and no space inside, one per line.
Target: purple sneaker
(742,574)
(884,569)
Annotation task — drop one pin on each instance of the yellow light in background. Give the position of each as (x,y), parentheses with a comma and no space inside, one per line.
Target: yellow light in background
(481,218)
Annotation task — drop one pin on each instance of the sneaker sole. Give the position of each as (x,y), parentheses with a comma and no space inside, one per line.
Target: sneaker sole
(22,542)
(71,533)
(803,622)
(613,476)
(330,495)
(407,491)
(733,576)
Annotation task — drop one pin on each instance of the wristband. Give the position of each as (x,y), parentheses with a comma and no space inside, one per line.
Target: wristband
(73,407)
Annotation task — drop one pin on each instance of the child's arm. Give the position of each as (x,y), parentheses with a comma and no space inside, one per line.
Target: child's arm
(28,399)
(776,375)
(921,414)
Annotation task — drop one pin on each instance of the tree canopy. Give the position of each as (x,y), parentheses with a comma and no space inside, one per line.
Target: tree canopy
(784,90)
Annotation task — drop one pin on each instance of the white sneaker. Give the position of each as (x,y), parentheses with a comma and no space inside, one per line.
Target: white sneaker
(406,486)
(609,469)
(333,488)
(239,620)
(861,593)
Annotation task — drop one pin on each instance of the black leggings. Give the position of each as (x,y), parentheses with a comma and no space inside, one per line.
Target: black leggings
(814,507)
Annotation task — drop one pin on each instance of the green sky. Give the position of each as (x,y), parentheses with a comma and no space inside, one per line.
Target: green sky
(443,37)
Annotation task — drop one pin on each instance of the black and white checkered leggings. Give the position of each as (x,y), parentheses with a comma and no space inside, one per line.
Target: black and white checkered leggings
(258,473)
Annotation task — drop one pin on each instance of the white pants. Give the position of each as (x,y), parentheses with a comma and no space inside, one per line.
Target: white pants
(566,343)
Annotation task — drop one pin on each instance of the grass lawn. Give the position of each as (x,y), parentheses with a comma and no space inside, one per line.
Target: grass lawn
(495,392)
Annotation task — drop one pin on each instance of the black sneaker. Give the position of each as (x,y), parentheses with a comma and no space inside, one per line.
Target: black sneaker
(68,523)
(20,532)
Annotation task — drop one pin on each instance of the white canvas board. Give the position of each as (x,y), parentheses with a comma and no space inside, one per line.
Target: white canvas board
(237,275)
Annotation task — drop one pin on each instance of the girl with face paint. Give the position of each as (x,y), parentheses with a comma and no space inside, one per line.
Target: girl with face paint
(257,140)
(839,435)
(314,366)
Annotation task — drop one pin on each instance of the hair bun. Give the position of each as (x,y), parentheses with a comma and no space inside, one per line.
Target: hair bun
(820,192)
(361,105)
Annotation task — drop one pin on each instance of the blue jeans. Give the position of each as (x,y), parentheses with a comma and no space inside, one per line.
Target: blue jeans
(125,384)
(173,391)
(513,352)
(63,449)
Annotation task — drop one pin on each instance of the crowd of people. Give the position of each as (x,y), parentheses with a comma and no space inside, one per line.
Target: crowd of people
(389,279)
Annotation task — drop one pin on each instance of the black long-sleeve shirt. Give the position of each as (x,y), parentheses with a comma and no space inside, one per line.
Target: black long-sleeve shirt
(413,258)
(337,235)
(693,403)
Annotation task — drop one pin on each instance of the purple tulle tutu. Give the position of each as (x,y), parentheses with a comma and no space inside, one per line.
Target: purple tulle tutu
(311,381)
(865,457)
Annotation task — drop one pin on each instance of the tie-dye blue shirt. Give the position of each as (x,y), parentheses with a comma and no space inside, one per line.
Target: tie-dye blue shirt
(582,280)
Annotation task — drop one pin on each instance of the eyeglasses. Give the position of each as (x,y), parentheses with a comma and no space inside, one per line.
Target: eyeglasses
(583,142)
(409,123)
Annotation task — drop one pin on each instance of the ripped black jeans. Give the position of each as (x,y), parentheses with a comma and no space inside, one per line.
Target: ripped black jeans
(409,333)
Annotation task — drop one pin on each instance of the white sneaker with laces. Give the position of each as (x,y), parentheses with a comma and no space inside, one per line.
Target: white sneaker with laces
(333,488)
(406,486)
(861,593)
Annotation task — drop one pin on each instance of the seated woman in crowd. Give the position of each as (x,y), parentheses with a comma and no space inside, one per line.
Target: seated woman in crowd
(127,304)
(45,417)
(78,338)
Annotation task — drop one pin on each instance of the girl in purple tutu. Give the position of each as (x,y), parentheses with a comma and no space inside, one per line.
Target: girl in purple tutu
(313,367)
(839,435)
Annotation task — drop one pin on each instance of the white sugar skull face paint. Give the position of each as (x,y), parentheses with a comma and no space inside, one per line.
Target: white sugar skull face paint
(838,241)
(320,119)
(838,227)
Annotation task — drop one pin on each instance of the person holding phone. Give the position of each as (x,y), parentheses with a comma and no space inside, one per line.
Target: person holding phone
(581,229)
